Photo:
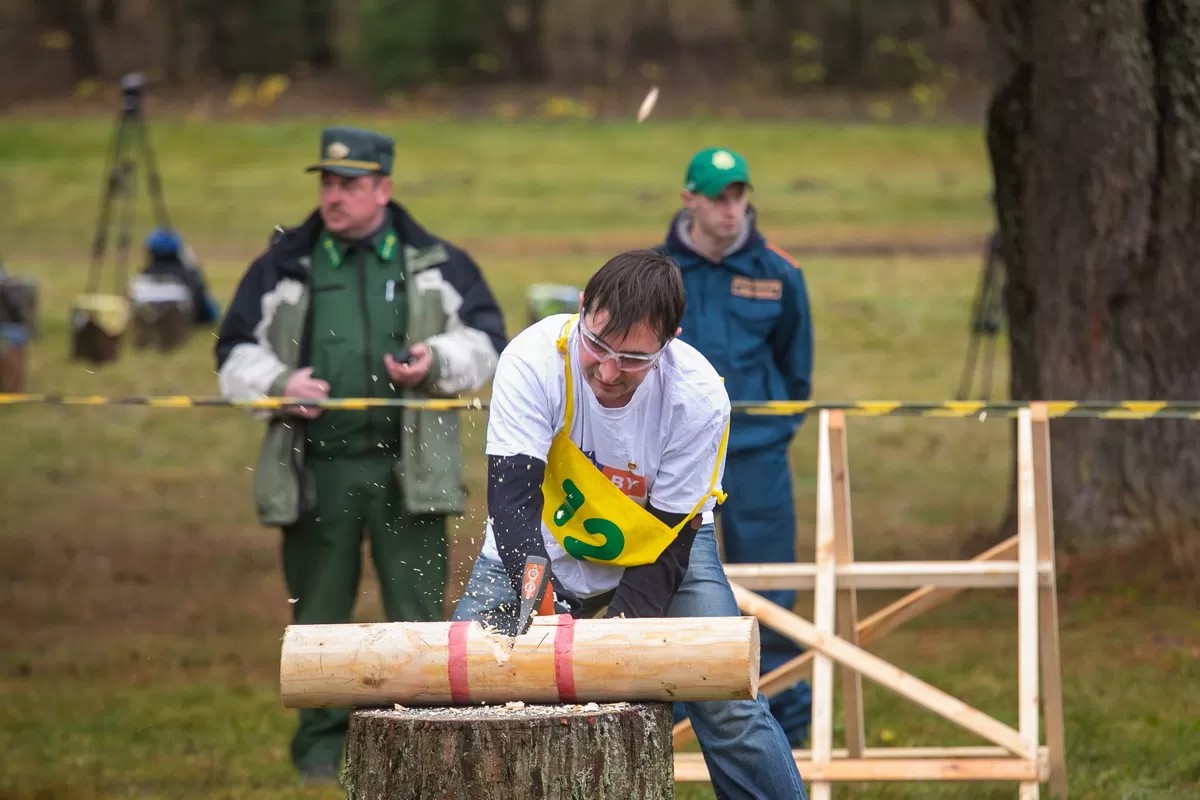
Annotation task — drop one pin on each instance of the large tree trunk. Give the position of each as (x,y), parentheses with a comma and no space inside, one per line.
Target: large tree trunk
(1094,136)
(501,753)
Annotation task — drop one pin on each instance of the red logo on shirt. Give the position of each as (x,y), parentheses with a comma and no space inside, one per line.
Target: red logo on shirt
(631,484)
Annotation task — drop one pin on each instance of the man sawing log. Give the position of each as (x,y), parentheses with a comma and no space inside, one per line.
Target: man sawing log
(606,448)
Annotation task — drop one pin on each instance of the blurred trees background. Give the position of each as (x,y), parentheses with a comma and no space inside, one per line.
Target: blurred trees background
(772,45)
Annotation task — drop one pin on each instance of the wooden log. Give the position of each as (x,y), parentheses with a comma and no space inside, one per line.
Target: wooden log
(560,659)
(552,752)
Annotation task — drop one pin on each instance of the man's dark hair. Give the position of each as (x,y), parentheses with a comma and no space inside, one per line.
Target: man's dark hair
(637,286)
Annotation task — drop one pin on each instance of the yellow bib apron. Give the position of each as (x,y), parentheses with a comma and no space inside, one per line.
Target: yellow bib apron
(590,517)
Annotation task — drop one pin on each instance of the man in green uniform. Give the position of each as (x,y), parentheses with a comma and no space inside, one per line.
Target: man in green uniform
(358,301)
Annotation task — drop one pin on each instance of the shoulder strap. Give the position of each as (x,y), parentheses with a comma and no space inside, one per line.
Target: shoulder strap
(713,491)
(569,404)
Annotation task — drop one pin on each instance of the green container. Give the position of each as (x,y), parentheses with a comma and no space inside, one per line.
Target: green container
(547,299)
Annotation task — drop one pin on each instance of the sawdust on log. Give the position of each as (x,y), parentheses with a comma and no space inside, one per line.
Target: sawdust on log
(509,710)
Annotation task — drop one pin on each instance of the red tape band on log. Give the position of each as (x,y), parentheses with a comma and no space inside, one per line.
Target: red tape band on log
(456,662)
(564,658)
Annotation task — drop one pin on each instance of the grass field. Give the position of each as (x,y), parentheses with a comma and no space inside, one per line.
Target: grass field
(142,606)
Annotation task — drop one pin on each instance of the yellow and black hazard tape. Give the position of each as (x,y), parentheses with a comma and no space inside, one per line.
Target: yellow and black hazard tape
(1129,409)
(267,403)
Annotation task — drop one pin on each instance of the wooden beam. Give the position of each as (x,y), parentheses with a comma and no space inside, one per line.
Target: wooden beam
(690,768)
(1051,661)
(879,624)
(952,751)
(1027,597)
(824,613)
(885,674)
(888,575)
(847,597)
(559,660)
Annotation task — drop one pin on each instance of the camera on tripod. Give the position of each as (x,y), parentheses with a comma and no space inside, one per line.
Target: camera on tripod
(131,93)
(99,319)
(166,298)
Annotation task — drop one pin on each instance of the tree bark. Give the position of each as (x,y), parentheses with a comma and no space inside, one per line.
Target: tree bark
(1094,137)
(557,752)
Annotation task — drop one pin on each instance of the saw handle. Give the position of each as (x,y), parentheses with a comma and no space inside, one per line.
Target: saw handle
(535,597)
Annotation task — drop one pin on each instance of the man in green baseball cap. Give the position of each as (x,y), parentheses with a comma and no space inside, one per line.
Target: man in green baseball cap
(747,312)
(713,169)
(358,301)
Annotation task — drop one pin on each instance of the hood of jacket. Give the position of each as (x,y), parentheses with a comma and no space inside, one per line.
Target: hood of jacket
(679,240)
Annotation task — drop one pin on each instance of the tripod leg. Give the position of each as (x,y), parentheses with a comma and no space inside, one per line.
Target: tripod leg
(153,182)
(129,192)
(981,323)
(111,185)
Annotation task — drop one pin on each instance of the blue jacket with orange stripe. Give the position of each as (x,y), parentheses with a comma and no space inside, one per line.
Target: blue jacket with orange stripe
(749,315)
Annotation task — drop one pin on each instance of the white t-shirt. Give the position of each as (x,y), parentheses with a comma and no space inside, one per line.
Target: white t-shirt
(660,447)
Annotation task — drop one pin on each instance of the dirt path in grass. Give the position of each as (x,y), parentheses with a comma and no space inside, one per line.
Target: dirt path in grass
(799,242)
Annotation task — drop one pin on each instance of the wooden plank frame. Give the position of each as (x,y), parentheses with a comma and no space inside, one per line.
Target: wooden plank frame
(835,637)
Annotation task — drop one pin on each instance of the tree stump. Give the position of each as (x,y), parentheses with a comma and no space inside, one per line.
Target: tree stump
(538,752)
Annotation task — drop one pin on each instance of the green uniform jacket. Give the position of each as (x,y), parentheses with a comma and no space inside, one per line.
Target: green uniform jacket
(265,337)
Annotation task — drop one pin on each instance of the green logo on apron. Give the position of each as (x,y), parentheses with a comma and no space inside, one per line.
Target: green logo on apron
(573,503)
(614,539)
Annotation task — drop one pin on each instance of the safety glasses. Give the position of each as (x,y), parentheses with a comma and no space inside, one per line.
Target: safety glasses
(626,362)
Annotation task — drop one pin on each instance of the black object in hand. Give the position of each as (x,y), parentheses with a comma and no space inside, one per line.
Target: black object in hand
(404,356)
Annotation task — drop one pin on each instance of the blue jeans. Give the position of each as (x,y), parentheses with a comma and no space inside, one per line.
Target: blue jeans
(747,754)
(758,526)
